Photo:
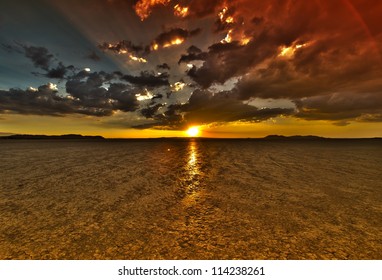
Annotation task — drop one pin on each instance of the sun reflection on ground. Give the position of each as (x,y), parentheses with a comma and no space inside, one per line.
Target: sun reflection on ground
(192,159)
(193,173)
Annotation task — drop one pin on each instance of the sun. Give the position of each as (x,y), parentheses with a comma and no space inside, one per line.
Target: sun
(193,131)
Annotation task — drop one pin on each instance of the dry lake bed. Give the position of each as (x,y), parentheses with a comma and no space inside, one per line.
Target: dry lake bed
(190,199)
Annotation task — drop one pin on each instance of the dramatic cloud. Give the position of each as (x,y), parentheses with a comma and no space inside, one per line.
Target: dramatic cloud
(175,36)
(221,63)
(151,111)
(59,72)
(194,8)
(42,59)
(193,54)
(294,78)
(202,8)
(341,106)
(164,66)
(93,56)
(44,101)
(172,37)
(97,91)
(143,7)
(205,107)
(124,47)
(322,57)
(40,56)
(147,79)
(86,93)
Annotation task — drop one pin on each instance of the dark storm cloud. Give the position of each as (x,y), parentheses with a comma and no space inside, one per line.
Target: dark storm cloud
(221,62)
(86,94)
(332,87)
(276,30)
(93,56)
(42,59)
(341,106)
(90,89)
(257,20)
(151,111)
(157,96)
(59,72)
(170,119)
(40,56)
(10,48)
(168,38)
(193,49)
(193,54)
(370,118)
(122,97)
(164,66)
(124,46)
(317,64)
(147,79)
(173,36)
(205,107)
(44,101)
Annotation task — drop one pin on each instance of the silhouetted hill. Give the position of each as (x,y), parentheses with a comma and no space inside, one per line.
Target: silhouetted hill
(5,133)
(66,136)
(295,137)
(181,139)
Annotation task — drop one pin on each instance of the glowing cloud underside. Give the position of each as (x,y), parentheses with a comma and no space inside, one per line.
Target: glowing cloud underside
(180,11)
(143,7)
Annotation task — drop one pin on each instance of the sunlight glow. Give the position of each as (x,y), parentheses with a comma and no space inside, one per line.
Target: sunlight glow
(175,41)
(244,41)
(139,59)
(193,131)
(143,7)
(145,95)
(228,37)
(180,11)
(178,86)
(290,51)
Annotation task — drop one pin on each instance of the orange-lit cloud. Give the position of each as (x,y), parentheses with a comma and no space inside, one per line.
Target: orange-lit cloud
(178,86)
(228,37)
(138,59)
(143,7)
(173,37)
(181,11)
(126,48)
(289,52)
(225,17)
(315,60)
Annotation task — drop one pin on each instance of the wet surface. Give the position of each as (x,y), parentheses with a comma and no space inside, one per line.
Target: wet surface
(190,200)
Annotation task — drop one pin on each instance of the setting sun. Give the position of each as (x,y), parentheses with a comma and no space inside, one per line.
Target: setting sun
(193,131)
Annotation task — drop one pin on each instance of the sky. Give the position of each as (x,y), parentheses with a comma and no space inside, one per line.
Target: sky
(244,68)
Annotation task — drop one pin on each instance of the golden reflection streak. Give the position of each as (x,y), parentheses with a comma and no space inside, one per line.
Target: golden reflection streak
(193,174)
(192,160)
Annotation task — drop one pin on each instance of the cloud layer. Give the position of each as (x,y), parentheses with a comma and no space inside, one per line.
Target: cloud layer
(208,60)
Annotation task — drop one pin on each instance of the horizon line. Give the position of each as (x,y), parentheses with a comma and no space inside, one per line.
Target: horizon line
(100,137)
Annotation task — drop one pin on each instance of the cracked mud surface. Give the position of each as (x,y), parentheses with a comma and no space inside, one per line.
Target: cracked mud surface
(190,200)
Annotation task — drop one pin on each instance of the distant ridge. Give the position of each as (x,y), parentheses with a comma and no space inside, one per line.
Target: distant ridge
(65,136)
(294,137)
(269,138)
(5,134)
(280,138)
